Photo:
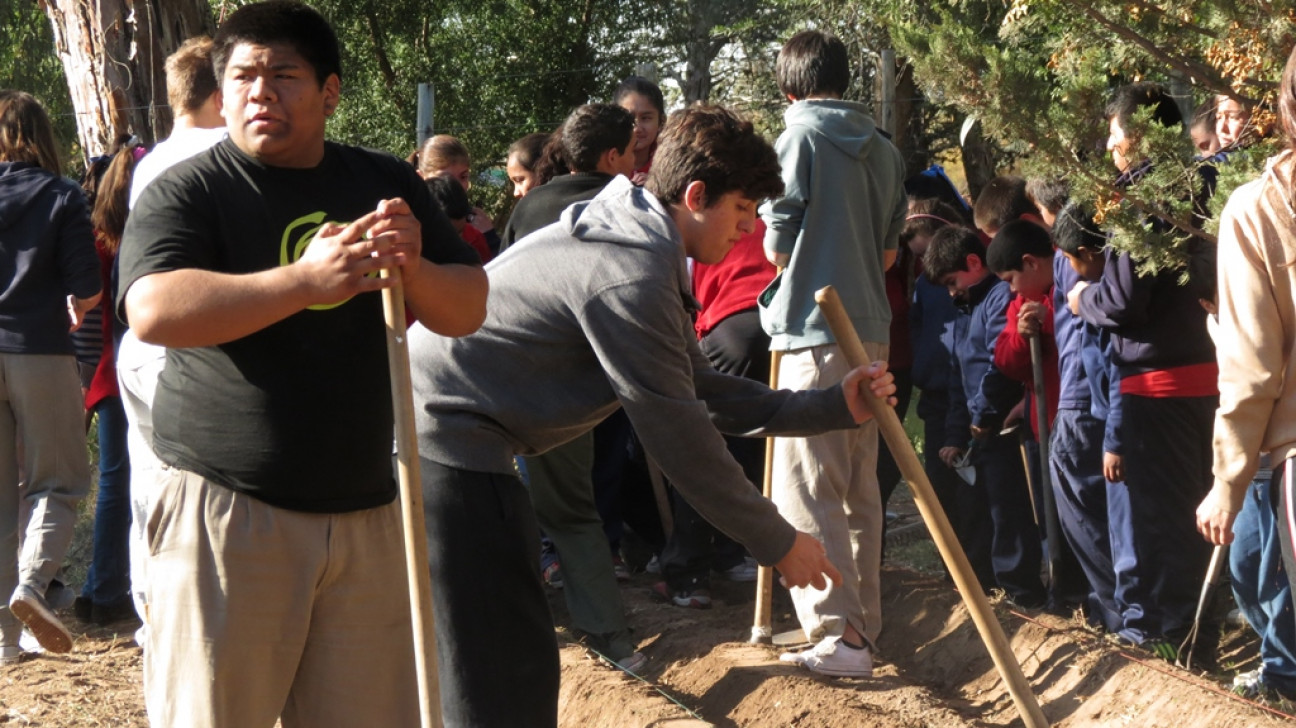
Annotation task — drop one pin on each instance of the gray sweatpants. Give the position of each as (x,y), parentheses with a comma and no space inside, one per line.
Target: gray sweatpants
(40,402)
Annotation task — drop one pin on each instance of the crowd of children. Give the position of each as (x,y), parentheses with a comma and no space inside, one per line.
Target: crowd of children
(594,354)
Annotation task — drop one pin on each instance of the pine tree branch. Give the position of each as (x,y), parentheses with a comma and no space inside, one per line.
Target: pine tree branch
(1190,68)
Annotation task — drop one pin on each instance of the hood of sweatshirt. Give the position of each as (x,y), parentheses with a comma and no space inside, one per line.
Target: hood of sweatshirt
(845,124)
(1279,170)
(20,183)
(617,217)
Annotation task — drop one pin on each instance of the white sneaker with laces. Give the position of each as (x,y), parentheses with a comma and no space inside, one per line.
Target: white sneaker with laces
(829,657)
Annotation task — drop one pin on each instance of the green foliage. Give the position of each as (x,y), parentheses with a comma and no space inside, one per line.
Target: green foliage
(28,63)
(1038,74)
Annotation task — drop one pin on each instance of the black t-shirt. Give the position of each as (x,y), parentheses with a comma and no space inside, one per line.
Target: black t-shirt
(298,414)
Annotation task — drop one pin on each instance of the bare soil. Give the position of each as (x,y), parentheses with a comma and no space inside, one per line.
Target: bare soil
(932,670)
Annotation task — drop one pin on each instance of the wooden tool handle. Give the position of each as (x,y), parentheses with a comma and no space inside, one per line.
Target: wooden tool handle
(411,499)
(934,516)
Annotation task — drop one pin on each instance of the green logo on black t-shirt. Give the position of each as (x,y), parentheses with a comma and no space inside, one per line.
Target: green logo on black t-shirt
(296,238)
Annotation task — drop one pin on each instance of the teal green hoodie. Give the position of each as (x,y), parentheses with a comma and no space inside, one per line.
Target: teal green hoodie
(843,205)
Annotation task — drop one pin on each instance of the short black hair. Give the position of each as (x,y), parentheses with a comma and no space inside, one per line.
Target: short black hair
(1002,200)
(450,196)
(591,130)
(715,146)
(949,249)
(1075,228)
(1015,240)
(812,63)
(280,22)
(1129,99)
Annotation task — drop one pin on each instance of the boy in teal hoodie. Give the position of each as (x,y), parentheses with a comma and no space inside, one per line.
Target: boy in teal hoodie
(838,223)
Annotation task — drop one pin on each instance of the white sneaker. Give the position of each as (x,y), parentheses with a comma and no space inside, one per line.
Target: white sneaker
(632,663)
(743,571)
(829,657)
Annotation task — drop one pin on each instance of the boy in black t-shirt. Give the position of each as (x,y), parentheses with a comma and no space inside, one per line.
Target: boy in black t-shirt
(274,534)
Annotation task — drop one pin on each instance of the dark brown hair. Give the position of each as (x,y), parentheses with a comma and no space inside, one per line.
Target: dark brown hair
(812,63)
(26,134)
(111,200)
(712,145)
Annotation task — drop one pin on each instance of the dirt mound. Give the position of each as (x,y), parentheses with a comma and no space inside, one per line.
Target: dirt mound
(932,671)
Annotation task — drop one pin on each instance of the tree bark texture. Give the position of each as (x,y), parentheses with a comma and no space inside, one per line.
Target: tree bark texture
(113,53)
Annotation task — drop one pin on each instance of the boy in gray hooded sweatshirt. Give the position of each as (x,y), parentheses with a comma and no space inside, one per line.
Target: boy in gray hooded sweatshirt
(586,315)
(838,223)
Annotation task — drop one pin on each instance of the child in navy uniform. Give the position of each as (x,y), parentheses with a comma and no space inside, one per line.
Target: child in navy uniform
(931,322)
(956,259)
(1168,400)
(1085,449)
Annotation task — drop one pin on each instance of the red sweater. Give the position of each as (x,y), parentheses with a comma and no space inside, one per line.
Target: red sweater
(1012,356)
(732,285)
(899,289)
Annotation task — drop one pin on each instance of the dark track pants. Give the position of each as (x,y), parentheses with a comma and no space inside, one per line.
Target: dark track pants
(1081,494)
(496,650)
(1159,557)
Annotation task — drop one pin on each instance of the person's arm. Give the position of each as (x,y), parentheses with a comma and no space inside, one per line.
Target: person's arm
(1012,349)
(448,299)
(783,216)
(78,262)
(1113,458)
(996,393)
(1120,298)
(642,336)
(191,307)
(1252,362)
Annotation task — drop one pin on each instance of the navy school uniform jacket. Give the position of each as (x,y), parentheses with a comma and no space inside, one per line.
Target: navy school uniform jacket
(990,394)
(1090,379)
(1155,322)
(931,326)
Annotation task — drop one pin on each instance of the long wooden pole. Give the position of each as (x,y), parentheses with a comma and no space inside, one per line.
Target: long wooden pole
(763,624)
(942,534)
(411,499)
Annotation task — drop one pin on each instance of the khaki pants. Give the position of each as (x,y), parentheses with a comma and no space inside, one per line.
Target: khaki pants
(827,487)
(257,612)
(41,404)
(138,368)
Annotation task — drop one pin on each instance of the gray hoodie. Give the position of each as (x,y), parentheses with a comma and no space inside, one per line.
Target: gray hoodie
(843,205)
(589,314)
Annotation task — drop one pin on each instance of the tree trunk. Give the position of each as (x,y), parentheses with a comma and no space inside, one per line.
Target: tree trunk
(908,132)
(978,161)
(113,53)
(700,50)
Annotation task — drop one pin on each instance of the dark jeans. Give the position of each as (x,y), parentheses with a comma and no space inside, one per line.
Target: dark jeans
(108,580)
(738,346)
(493,626)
